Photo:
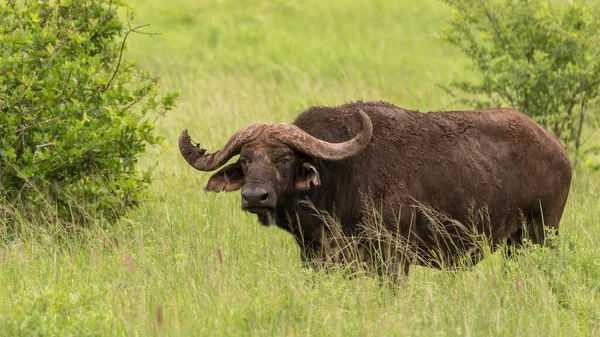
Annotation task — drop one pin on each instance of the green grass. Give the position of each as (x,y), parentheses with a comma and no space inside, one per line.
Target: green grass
(192,264)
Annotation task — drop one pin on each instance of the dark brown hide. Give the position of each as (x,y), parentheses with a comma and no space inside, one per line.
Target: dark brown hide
(489,169)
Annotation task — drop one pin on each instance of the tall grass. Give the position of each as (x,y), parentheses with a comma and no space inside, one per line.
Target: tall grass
(190,263)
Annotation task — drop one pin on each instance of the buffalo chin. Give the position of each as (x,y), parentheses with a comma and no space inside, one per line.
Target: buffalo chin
(265,216)
(265,219)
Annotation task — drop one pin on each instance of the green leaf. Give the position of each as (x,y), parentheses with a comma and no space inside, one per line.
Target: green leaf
(70,138)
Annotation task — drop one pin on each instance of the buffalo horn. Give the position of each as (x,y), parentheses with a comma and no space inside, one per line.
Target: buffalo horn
(289,134)
(203,161)
(303,142)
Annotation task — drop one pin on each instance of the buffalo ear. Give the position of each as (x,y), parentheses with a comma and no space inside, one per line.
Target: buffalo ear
(306,175)
(229,178)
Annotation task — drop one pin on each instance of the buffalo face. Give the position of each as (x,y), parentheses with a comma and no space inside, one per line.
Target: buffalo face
(264,172)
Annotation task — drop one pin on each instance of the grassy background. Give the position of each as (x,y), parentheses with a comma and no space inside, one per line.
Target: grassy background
(191,263)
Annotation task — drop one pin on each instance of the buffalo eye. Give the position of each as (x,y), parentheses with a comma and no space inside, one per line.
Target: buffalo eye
(244,162)
(283,160)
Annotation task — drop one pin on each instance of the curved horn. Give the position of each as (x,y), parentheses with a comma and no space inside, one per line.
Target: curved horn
(200,160)
(302,141)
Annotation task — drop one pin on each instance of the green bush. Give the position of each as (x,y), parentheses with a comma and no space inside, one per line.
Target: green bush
(74,115)
(534,55)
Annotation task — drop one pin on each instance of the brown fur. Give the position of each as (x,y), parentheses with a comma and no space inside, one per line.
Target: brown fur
(487,169)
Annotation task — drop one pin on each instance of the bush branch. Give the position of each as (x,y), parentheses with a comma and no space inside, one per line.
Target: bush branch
(131,30)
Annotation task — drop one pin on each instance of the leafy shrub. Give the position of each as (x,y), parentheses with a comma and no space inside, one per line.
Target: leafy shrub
(74,116)
(533,55)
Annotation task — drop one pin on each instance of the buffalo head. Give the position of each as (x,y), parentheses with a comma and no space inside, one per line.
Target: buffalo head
(274,160)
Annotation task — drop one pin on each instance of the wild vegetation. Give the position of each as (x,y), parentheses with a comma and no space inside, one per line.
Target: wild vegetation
(189,263)
(74,118)
(537,56)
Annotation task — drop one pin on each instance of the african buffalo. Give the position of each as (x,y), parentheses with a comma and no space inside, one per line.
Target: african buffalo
(492,172)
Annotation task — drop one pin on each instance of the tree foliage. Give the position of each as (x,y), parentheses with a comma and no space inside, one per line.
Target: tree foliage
(74,115)
(534,55)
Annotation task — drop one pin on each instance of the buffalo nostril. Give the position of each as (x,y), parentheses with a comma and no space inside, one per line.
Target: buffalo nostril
(264,197)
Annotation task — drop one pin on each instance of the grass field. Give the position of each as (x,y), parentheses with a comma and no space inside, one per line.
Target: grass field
(193,264)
